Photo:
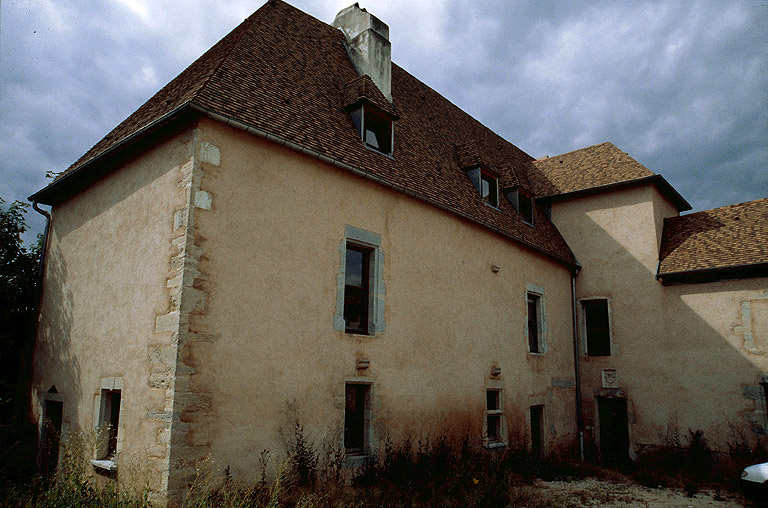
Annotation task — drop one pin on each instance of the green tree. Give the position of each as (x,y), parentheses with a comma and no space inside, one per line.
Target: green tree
(18,281)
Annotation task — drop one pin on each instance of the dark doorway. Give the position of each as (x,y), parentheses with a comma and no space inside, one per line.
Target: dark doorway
(52,415)
(614,431)
(537,426)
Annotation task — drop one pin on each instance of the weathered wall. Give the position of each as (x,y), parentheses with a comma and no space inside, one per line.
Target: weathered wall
(270,249)
(678,351)
(110,251)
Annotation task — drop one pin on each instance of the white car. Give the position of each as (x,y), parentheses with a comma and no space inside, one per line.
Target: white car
(754,482)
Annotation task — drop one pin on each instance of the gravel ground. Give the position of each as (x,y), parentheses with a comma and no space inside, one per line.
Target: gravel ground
(593,492)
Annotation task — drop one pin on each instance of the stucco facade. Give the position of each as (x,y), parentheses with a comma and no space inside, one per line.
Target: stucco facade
(680,355)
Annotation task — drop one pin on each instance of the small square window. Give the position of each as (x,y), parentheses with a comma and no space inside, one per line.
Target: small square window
(534,323)
(597,327)
(356,417)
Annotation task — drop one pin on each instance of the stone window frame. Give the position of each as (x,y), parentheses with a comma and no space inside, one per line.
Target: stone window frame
(614,348)
(376,288)
(498,386)
(538,291)
(101,460)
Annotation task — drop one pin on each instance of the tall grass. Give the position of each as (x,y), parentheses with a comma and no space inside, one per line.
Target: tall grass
(442,471)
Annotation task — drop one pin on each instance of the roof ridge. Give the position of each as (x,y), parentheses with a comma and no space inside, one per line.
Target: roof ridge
(579,150)
(720,208)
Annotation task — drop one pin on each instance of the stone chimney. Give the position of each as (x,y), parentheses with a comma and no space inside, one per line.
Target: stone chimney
(368,45)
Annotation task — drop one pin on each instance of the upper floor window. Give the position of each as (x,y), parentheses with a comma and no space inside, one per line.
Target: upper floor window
(486,184)
(535,319)
(374,127)
(521,202)
(359,284)
(356,284)
(597,326)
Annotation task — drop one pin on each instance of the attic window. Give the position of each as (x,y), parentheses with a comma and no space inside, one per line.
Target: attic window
(522,203)
(375,128)
(486,184)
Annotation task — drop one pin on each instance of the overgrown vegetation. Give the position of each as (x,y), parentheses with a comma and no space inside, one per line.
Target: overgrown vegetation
(18,280)
(442,471)
(687,462)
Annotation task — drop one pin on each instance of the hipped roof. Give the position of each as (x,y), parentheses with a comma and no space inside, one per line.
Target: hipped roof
(595,169)
(285,73)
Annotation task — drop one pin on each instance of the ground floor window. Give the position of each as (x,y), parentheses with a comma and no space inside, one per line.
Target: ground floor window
(537,434)
(356,418)
(109,420)
(494,418)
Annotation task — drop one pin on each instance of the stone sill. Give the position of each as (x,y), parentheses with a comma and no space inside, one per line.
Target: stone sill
(105,464)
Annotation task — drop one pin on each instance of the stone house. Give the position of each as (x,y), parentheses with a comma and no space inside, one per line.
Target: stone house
(297,227)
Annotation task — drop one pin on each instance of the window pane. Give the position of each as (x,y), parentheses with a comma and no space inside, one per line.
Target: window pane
(354,417)
(354,273)
(356,284)
(533,323)
(371,139)
(378,132)
(526,208)
(493,427)
(492,401)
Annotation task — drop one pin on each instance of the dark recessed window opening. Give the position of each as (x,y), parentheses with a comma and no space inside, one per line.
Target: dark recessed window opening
(597,327)
(374,128)
(537,427)
(356,289)
(526,208)
(493,415)
(533,322)
(108,423)
(357,402)
(521,202)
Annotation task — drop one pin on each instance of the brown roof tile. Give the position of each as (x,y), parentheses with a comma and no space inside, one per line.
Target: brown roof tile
(286,73)
(363,88)
(594,166)
(730,236)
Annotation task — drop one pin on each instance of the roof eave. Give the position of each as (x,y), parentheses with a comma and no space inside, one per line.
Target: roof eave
(659,181)
(65,186)
(713,274)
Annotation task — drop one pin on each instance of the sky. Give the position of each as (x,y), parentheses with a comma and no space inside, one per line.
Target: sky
(682,86)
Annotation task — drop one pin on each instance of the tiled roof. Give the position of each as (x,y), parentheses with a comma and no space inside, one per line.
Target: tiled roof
(285,73)
(363,88)
(730,236)
(594,166)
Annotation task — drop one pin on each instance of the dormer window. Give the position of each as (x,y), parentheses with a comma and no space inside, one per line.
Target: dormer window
(522,203)
(375,128)
(486,184)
